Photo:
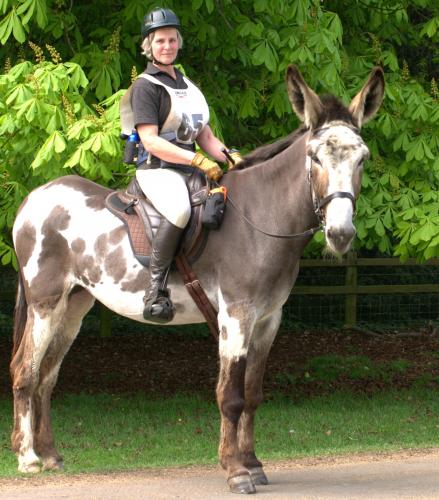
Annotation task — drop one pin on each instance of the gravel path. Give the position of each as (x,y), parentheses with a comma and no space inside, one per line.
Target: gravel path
(387,476)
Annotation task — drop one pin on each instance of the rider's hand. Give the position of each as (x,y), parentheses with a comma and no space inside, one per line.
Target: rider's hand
(237,159)
(209,167)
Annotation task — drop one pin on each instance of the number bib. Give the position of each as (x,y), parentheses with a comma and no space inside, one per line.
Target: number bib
(189,112)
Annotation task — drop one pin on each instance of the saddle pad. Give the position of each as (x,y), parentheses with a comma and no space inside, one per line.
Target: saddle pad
(129,212)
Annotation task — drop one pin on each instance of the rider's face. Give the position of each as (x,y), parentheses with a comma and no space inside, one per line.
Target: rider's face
(164,45)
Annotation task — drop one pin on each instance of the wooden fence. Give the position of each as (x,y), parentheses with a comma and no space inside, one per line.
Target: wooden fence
(351,289)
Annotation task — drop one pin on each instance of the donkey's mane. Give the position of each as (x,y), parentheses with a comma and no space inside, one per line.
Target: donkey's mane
(333,110)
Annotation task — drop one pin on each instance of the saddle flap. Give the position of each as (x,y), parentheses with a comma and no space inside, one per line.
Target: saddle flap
(129,210)
(141,219)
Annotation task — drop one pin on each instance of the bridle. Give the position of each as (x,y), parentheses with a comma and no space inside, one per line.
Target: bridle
(318,203)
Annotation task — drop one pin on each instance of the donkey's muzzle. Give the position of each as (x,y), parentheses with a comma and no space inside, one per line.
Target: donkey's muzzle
(341,238)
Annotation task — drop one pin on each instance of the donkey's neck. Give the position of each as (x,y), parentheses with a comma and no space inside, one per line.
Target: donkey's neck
(276,193)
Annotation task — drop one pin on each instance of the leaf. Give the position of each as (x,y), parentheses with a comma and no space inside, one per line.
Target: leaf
(210,6)
(6,27)
(387,219)
(430,28)
(196,4)
(379,228)
(19,94)
(26,10)
(334,25)
(390,60)
(55,143)
(248,104)
(94,143)
(425,233)
(427,151)
(260,5)
(59,142)
(80,157)
(42,18)
(103,87)
(4,4)
(77,76)
(264,53)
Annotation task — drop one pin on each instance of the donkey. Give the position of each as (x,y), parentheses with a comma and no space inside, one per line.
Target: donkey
(71,250)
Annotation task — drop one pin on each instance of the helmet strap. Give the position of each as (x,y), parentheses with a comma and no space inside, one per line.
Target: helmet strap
(156,61)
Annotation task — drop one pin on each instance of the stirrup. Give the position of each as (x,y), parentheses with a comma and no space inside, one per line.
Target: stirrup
(159,309)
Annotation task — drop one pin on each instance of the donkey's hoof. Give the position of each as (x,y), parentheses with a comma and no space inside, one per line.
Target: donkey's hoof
(258,476)
(241,484)
(53,463)
(33,468)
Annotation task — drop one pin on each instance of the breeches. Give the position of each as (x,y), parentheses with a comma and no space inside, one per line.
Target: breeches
(167,190)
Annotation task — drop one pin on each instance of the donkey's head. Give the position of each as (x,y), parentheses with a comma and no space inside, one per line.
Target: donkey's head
(335,150)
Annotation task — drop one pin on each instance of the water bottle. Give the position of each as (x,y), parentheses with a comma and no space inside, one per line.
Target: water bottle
(130,153)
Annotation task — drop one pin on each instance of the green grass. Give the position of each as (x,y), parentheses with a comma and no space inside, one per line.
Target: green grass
(106,432)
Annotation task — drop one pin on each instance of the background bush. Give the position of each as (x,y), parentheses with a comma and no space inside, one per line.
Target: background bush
(67,63)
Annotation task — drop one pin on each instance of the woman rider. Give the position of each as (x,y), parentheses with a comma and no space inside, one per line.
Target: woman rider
(170,115)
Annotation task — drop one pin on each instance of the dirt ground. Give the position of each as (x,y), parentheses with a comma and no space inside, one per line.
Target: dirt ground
(165,364)
(386,476)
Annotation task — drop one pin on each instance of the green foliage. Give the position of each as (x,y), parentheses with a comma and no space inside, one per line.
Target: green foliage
(238,53)
(48,129)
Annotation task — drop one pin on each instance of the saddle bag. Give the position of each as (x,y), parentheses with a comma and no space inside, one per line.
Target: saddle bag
(214,208)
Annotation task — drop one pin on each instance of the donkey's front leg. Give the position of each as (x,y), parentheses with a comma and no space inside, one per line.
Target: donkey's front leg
(234,335)
(261,342)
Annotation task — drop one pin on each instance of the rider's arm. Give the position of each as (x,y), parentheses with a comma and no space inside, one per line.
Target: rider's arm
(161,148)
(211,144)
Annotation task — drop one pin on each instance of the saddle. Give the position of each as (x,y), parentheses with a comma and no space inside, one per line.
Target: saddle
(141,219)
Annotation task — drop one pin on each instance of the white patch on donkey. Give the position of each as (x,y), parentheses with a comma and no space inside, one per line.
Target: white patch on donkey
(232,339)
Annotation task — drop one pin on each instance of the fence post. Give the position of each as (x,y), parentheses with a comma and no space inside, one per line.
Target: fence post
(350,315)
(105,321)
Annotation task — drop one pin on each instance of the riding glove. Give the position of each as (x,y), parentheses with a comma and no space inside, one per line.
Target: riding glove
(209,167)
(237,159)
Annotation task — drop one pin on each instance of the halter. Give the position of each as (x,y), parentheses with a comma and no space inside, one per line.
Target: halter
(317,202)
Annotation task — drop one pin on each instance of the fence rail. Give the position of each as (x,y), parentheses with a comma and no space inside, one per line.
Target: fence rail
(352,289)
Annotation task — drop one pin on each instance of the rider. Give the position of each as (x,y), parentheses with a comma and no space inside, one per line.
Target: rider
(170,115)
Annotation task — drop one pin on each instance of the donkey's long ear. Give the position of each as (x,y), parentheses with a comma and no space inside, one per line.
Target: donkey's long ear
(306,104)
(366,103)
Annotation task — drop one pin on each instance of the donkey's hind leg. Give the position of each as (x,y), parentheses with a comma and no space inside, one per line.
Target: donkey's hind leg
(41,324)
(262,339)
(79,303)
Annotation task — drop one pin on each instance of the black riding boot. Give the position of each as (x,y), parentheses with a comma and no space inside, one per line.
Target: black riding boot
(158,305)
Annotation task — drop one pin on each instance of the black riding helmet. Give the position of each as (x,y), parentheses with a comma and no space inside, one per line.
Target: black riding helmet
(159,18)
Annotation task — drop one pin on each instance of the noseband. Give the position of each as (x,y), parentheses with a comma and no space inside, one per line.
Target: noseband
(320,203)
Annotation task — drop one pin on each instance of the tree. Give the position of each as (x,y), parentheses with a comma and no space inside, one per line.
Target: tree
(59,117)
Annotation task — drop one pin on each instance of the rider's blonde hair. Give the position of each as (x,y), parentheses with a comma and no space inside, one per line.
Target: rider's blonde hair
(147,42)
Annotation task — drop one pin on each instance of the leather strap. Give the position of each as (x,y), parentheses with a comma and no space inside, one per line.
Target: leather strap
(197,293)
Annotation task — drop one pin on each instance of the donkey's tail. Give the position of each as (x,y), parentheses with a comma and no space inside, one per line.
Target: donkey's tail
(20,315)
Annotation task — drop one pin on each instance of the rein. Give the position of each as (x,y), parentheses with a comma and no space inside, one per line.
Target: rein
(308,232)
(318,206)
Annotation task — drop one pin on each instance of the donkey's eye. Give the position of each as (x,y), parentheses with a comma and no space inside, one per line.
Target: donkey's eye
(316,160)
